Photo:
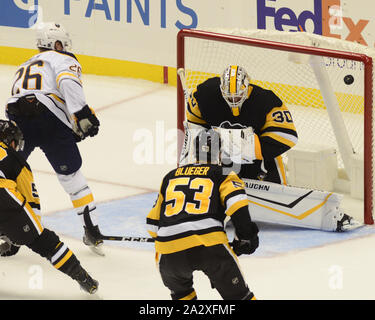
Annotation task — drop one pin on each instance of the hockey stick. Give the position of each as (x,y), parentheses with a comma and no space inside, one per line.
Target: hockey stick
(126,238)
(181,74)
(99,236)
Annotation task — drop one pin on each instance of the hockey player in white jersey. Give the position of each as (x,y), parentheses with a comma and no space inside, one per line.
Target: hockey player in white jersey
(49,106)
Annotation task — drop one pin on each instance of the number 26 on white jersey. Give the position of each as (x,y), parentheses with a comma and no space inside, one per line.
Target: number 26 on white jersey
(28,77)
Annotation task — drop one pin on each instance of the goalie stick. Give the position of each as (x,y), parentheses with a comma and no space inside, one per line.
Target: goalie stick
(181,74)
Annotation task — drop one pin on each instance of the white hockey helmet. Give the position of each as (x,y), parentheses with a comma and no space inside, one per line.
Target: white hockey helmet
(49,32)
(234,84)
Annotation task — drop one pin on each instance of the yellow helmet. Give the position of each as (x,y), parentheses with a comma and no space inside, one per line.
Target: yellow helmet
(234,84)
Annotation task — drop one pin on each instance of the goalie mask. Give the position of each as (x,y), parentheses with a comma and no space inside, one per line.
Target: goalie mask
(207,147)
(49,33)
(234,84)
(9,132)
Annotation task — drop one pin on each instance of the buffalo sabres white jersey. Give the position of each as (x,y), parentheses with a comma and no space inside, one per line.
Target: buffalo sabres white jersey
(54,77)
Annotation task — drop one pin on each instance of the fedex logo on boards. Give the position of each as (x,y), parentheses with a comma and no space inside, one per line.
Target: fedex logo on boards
(324,18)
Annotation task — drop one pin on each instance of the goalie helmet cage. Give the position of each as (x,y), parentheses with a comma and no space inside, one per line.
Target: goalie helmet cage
(326,83)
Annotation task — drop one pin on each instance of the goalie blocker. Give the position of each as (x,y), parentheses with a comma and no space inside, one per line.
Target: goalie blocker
(300,207)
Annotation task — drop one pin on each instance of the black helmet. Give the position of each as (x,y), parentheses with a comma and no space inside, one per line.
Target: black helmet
(207,146)
(9,132)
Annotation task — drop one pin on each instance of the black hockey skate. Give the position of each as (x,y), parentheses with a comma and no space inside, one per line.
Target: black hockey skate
(347,223)
(85,281)
(92,239)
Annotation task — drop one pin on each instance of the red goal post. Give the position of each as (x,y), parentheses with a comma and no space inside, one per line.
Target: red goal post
(310,88)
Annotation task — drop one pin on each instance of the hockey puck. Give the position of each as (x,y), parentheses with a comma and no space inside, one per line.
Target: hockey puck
(348,79)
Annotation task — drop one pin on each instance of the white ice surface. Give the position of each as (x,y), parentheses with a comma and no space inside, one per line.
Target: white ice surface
(339,270)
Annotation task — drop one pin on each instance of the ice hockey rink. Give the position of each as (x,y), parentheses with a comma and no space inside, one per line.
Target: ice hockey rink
(124,166)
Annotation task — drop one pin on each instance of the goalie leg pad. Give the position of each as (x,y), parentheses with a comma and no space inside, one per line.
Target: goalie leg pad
(299,207)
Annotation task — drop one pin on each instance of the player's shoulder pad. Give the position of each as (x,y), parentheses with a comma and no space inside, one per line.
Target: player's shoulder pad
(209,84)
(208,90)
(267,96)
(68,54)
(57,53)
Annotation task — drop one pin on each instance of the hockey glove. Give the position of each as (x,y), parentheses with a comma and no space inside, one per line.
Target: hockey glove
(7,248)
(87,122)
(247,246)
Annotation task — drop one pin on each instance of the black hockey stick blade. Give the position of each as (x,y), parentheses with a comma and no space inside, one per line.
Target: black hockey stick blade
(90,226)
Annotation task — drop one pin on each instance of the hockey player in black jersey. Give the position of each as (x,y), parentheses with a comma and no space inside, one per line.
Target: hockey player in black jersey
(231,101)
(20,222)
(187,222)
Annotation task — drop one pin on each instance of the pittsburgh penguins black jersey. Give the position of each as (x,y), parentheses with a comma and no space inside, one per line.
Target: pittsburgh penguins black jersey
(18,181)
(192,204)
(262,110)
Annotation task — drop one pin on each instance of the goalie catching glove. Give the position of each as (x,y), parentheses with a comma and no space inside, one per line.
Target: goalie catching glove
(87,124)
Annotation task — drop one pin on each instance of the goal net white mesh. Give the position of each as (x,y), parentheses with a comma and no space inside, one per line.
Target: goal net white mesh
(336,83)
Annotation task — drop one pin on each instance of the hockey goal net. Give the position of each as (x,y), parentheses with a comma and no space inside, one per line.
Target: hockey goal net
(326,83)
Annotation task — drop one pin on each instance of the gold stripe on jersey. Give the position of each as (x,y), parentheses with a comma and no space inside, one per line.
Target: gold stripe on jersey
(25,183)
(8,184)
(192,118)
(193,113)
(57,98)
(153,234)
(84,201)
(281,168)
(279,117)
(193,105)
(235,206)
(35,218)
(208,239)
(3,153)
(231,183)
(257,148)
(63,260)
(154,214)
(18,196)
(279,139)
(66,74)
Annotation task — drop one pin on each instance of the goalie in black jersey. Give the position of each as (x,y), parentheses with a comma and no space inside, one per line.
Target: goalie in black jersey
(187,222)
(256,128)
(20,222)
(232,102)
